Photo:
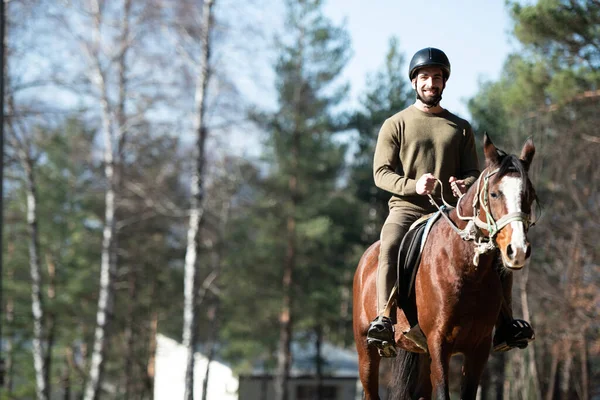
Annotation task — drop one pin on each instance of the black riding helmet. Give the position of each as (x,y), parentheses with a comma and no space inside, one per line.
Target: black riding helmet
(429,57)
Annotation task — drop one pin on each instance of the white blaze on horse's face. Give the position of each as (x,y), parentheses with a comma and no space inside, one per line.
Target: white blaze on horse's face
(517,251)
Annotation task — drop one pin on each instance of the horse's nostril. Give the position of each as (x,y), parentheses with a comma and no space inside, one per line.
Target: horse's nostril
(509,251)
(528,251)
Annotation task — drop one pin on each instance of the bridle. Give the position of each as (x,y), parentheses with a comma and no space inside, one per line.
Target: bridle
(491,225)
(475,226)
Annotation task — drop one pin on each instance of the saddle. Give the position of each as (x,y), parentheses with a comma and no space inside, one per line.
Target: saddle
(409,257)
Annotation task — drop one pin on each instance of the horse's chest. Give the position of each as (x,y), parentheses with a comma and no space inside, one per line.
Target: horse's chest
(477,306)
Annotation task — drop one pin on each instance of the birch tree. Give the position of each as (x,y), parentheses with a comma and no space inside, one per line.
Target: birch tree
(22,140)
(22,146)
(113,144)
(197,195)
(102,33)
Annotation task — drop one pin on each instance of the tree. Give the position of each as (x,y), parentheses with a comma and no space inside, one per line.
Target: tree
(61,178)
(550,91)
(23,138)
(197,190)
(28,161)
(120,88)
(113,153)
(2,68)
(565,31)
(305,162)
(389,93)
(152,217)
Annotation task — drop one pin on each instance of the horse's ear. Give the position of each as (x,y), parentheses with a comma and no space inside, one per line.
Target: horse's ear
(490,151)
(527,153)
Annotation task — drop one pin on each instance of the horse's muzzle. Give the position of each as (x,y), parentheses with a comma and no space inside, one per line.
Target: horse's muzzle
(515,257)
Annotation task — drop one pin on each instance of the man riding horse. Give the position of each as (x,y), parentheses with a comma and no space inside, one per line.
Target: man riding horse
(415,147)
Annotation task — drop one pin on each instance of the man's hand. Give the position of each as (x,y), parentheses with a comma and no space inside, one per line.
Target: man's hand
(425,184)
(458,186)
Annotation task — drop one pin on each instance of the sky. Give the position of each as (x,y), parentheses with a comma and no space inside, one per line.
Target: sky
(474,34)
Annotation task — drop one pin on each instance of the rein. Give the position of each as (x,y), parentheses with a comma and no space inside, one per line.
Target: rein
(473,230)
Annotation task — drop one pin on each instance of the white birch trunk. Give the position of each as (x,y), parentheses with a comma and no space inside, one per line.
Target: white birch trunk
(108,263)
(107,267)
(34,264)
(36,284)
(196,207)
(41,376)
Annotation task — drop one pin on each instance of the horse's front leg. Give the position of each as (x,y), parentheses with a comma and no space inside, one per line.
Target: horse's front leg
(368,369)
(473,366)
(440,351)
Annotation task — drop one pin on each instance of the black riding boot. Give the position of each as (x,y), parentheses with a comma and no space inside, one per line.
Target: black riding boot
(510,332)
(517,333)
(381,335)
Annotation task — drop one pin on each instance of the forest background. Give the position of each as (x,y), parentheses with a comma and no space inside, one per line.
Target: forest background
(129,209)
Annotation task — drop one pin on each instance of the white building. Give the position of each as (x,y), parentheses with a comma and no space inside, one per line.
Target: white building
(169,380)
(339,382)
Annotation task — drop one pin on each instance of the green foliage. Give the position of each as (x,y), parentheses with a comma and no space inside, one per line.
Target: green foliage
(389,92)
(567,32)
(299,147)
(550,91)
(560,61)
(70,209)
(69,244)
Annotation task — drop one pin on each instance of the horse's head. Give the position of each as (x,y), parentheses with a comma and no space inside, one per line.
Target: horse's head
(506,197)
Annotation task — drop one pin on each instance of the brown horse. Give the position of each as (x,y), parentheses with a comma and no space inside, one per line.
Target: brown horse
(457,290)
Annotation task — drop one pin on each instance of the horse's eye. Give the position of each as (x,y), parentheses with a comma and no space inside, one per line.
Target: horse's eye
(494,195)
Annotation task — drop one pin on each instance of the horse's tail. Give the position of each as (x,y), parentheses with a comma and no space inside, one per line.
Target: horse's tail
(405,373)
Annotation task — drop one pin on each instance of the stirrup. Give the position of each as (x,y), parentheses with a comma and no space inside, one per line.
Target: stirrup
(517,335)
(381,336)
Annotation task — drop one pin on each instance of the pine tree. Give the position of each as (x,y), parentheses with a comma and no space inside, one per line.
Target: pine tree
(305,162)
(389,92)
(549,90)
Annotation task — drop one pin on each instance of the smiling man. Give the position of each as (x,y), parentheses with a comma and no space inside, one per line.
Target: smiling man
(414,147)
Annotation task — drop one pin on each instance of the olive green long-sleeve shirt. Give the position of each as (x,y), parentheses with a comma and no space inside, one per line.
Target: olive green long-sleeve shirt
(412,143)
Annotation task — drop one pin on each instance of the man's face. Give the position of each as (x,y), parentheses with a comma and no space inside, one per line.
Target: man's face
(429,85)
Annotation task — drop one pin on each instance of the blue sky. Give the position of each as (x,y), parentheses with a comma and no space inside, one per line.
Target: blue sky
(474,34)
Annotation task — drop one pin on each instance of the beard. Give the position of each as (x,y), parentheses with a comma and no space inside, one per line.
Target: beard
(430,101)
